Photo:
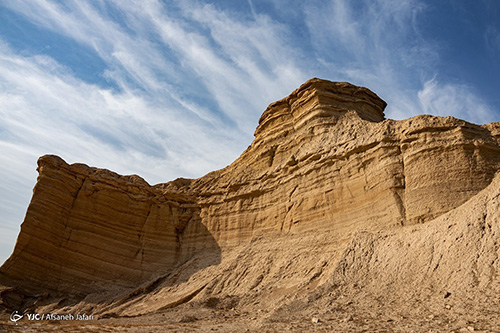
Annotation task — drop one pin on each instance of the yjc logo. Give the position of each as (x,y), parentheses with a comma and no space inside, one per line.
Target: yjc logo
(15,316)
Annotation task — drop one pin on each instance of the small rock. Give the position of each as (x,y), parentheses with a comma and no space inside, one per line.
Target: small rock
(349,318)
(447,306)
(315,320)
(431,317)
(188,319)
(470,328)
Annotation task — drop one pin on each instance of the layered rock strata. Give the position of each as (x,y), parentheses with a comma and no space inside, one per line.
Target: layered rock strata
(89,229)
(323,158)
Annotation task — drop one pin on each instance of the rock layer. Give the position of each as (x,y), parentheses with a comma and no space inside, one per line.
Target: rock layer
(323,158)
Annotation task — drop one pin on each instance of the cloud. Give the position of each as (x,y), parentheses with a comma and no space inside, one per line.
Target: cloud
(454,100)
(492,39)
(236,60)
(380,46)
(377,45)
(369,34)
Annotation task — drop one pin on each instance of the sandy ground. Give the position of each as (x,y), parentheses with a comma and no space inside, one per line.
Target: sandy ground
(344,315)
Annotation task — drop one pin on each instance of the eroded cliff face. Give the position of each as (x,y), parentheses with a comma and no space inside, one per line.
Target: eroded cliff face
(89,229)
(323,159)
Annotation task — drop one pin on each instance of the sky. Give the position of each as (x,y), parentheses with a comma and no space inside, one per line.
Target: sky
(168,89)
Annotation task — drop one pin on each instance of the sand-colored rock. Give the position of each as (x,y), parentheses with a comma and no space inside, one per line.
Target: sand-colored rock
(330,204)
(87,230)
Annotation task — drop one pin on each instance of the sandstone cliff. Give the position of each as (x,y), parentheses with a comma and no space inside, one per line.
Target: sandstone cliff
(329,193)
(87,229)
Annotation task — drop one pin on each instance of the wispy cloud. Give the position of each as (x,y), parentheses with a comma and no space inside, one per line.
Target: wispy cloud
(238,62)
(455,100)
(44,108)
(377,45)
(492,39)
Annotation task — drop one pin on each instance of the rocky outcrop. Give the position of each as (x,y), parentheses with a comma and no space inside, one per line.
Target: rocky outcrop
(324,160)
(88,229)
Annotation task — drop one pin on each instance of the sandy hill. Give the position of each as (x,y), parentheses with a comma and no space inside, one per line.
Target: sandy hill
(333,219)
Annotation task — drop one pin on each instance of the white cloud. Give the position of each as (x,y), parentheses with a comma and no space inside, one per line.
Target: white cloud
(379,46)
(369,46)
(453,100)
(238,62)
(41,106)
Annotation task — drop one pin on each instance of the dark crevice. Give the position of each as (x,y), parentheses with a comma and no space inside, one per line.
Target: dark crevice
(400,190)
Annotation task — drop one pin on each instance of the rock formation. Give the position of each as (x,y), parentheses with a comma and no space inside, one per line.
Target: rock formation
(326,175)
(87,229)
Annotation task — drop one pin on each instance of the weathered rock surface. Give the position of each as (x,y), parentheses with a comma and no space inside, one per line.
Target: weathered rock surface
(329,194)
(87,229)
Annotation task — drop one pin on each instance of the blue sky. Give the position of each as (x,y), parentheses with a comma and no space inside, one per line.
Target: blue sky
(176,88)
